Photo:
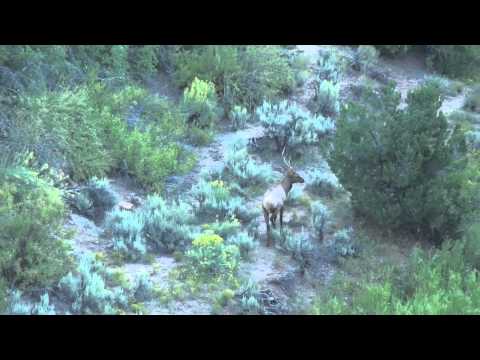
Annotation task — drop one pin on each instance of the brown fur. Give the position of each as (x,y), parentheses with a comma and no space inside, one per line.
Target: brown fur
(274,199)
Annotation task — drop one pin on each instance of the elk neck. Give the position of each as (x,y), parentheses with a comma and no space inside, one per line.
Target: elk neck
(286,184)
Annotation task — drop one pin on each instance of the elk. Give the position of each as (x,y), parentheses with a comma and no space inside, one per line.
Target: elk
(274,198)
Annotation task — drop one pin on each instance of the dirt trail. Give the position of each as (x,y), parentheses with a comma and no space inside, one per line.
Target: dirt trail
(209,157)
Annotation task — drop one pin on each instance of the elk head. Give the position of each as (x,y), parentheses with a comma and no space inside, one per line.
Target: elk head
(290,174)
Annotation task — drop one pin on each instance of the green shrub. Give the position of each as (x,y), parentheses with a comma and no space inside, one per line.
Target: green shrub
(239,117)
(450,60)
(167,225)
(58,125)
(96,198)
(436,284)
(473,139)
(265,75)
(86,292)
(298,245)
(250,302)
(445,86)
(326,98)
(246,244)
(403,188)
(211,258)
(17,307)
(330,67)
(255,301)
(3,295)
(472,102)
(200,103)
(243,75)
(215,63)
(301,77)
(200,137)
(226,297)
(148,160)
(143,288)
(463,118)
(143,60)
(101,193)
(150,152)
(245,212)
(365,57)
(127,232)
(320,219)
(472,245)
(225,228)
(32,253)
(240,165)
(323,182)
(300,64)
(157,225)
(117,61)
(343,243)
(36,68)
(83,204)
(64,129)
(288,124)
(213,199)
(392,50)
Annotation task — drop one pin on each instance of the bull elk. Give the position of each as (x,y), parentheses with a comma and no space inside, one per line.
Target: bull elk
(274,198)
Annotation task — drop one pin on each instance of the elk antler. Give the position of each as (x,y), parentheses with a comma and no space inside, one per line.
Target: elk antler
(284,160)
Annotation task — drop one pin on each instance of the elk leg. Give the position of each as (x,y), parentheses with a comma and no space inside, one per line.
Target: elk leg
(265,215)
(274,219)
(281,219)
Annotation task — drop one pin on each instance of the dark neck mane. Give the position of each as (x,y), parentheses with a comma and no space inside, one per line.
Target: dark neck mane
(286,184)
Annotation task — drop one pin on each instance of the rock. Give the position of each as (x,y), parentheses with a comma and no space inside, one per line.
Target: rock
(285,281)
(135,200)
(381,76)
(271,303)
(127,206)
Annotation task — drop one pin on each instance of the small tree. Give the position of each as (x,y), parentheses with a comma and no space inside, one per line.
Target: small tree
(405,167)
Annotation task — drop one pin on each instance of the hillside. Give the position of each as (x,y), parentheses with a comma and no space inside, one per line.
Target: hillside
(136,186)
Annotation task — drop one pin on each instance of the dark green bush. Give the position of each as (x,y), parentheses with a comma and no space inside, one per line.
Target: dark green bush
(82,131)
(201,108)
(450,60)
(143,60)
(215,63)
(96,198)
(64,129)
(472,245)
(210,258)
(3,295)
(266,75)
(441,283)
(472,103)
(147,160)
(404,167)
(32,253)
(243,75)
(454,60)
(393,50)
